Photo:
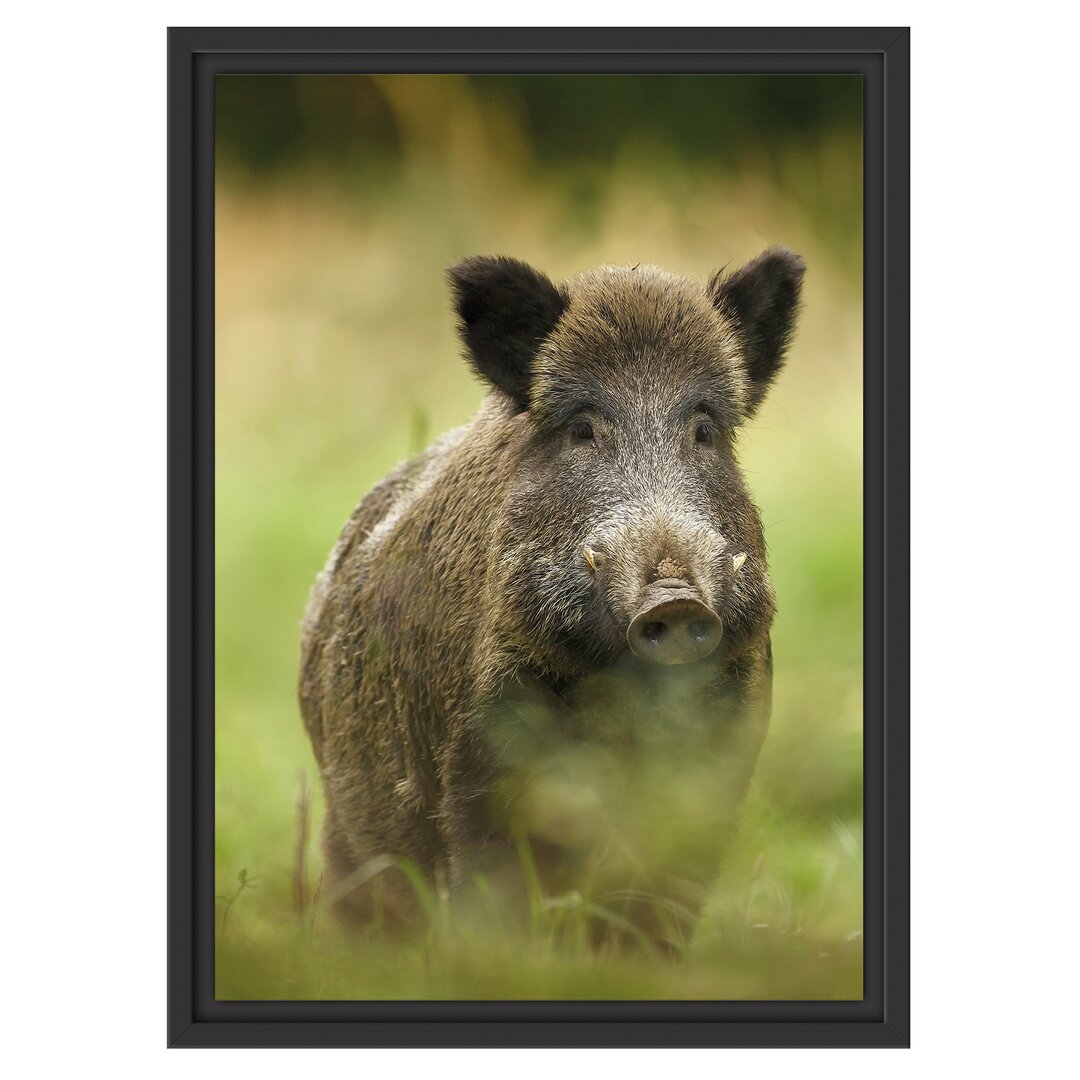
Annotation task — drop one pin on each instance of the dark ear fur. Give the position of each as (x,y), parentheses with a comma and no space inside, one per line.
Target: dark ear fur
(505,309)
(762,300)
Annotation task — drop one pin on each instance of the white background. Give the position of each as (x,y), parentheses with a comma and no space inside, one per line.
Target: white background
(994,388)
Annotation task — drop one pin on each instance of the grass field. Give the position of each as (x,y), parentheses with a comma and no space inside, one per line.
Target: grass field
(336,359)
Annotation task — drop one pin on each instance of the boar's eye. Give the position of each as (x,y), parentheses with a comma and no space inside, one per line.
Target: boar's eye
(704,433)
(581,431)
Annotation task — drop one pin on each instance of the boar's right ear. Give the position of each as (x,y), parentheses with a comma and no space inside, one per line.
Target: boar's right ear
(505,310)
(761,299)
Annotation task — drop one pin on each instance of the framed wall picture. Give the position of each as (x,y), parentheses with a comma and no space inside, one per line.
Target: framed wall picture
(590,724)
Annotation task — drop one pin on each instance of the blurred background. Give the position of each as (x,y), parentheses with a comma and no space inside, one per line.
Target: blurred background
(340,201)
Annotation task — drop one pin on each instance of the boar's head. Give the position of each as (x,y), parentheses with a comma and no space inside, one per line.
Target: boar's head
(627,524)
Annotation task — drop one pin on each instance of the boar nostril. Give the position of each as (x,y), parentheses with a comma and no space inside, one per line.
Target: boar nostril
(654,631)
(699,629)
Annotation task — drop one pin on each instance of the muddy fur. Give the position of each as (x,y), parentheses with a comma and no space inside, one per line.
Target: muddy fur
(465,673)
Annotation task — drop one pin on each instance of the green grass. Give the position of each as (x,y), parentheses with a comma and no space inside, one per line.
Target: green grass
(335,360)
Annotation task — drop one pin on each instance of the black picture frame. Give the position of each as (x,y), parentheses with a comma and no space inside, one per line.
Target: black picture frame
(195,57)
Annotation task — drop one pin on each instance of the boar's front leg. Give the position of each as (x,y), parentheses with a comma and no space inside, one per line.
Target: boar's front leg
(486,782)
(749,705)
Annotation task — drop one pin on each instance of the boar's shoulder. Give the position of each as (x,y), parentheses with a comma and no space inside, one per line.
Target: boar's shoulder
(347,567)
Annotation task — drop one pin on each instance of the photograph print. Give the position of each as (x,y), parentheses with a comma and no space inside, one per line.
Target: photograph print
(538,537)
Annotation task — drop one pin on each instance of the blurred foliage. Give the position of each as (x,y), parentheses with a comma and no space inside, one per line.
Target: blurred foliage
(340,200)
(347,121)
(576,131)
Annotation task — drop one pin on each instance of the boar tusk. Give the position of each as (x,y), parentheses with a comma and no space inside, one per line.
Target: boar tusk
(590,557)
(738,560)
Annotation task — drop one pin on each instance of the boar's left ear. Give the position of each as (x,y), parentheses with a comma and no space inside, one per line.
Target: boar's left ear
(505,310)
(761,300)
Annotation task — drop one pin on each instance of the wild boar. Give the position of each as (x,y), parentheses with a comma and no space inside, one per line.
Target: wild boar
(552,626)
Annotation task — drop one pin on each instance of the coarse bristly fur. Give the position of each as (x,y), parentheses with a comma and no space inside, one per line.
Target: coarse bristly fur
(466,677)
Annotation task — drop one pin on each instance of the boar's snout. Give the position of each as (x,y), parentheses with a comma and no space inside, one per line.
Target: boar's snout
(673,625)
